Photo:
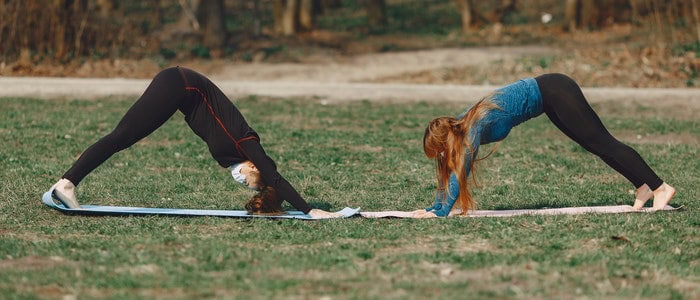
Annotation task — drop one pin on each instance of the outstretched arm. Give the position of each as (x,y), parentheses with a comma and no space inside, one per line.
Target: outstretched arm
(438,202)
(442,207)
(445,200)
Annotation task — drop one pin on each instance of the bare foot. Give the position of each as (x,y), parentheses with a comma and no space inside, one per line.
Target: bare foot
(643,194)
(663,195)
(65,191)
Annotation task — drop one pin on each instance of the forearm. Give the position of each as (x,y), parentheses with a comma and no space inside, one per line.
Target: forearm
(256,154)
(439,197)
(450,197)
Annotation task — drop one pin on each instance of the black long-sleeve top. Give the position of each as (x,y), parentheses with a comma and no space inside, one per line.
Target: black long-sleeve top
(214,118)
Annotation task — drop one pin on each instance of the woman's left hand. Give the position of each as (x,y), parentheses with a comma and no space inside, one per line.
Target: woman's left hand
(423,214)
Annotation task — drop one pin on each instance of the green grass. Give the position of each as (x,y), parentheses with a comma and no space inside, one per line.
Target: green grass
(353,154)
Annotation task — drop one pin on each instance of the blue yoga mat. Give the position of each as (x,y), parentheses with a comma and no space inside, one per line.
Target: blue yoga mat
(99,210)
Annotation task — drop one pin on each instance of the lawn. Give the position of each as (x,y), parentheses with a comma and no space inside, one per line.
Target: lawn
(358,154)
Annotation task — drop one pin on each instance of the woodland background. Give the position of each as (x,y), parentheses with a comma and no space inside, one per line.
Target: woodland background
(102,38)
(351,153)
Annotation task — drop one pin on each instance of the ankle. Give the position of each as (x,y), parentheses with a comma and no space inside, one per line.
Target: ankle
(663,195)
(643,193)
(66,182)
(64,185)
(664,187)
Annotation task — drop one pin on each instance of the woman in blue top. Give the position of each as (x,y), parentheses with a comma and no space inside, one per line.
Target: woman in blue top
(454,142)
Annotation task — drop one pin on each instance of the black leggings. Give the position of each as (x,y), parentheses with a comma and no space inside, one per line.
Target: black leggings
(568,109)
(158,103)
(210,115)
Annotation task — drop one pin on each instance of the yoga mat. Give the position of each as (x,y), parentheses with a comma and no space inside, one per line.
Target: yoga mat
(99,210)
(615,209)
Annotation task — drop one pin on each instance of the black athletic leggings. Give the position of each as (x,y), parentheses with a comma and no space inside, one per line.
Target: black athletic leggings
(568,109)
(145,116)
(210,115)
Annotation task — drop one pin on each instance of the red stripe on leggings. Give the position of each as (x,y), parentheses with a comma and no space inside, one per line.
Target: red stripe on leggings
(218,120)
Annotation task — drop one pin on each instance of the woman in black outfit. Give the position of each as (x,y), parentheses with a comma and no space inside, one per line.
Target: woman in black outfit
(212,116)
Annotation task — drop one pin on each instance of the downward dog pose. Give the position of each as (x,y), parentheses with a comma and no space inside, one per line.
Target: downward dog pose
(210,115)
(454,142)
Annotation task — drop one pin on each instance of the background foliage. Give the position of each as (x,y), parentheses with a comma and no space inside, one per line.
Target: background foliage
(65,30)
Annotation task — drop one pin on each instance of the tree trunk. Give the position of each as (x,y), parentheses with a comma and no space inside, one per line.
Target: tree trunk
(307,20)
(3,24)
(105,7)
(80,19)
(376,13)
(60,30)
(257,27)
(507,7)
(278,15)
(156,14)
(188,15)
(290,20)
(465,10)
(696,18)
(293,16)
(588,13)
(210,15)
(323,6)
(570,15)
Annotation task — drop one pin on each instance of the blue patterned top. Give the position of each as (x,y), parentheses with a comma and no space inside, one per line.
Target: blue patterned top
(519,102)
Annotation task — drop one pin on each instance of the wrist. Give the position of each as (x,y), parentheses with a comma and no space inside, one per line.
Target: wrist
(441,212)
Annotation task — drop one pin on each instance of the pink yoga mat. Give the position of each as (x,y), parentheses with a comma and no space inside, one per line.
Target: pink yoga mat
(519,212)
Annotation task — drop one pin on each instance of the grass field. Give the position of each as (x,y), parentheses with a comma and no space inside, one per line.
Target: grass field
(354,154)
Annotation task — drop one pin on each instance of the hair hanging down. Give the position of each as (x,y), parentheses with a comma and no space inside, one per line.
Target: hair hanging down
(265,202)
(445,140)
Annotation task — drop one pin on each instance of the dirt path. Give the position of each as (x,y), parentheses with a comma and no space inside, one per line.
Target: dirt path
(81,88)
(368,67)
(333,80)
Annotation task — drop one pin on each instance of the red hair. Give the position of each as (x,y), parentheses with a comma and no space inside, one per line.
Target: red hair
(445,140)
(266,202)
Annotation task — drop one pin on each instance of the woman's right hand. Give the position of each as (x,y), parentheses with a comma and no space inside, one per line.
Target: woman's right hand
(322,214)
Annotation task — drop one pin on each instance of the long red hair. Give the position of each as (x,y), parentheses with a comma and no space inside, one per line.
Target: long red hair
(265,202)
(445,140)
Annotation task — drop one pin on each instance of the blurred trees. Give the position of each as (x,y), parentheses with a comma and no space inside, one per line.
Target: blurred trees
(594,14)
(663,16)
(376,14)
(466,11)
(590,14)
(207,20)
(293,16)
(472,17)
(64,30)
(210,15)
